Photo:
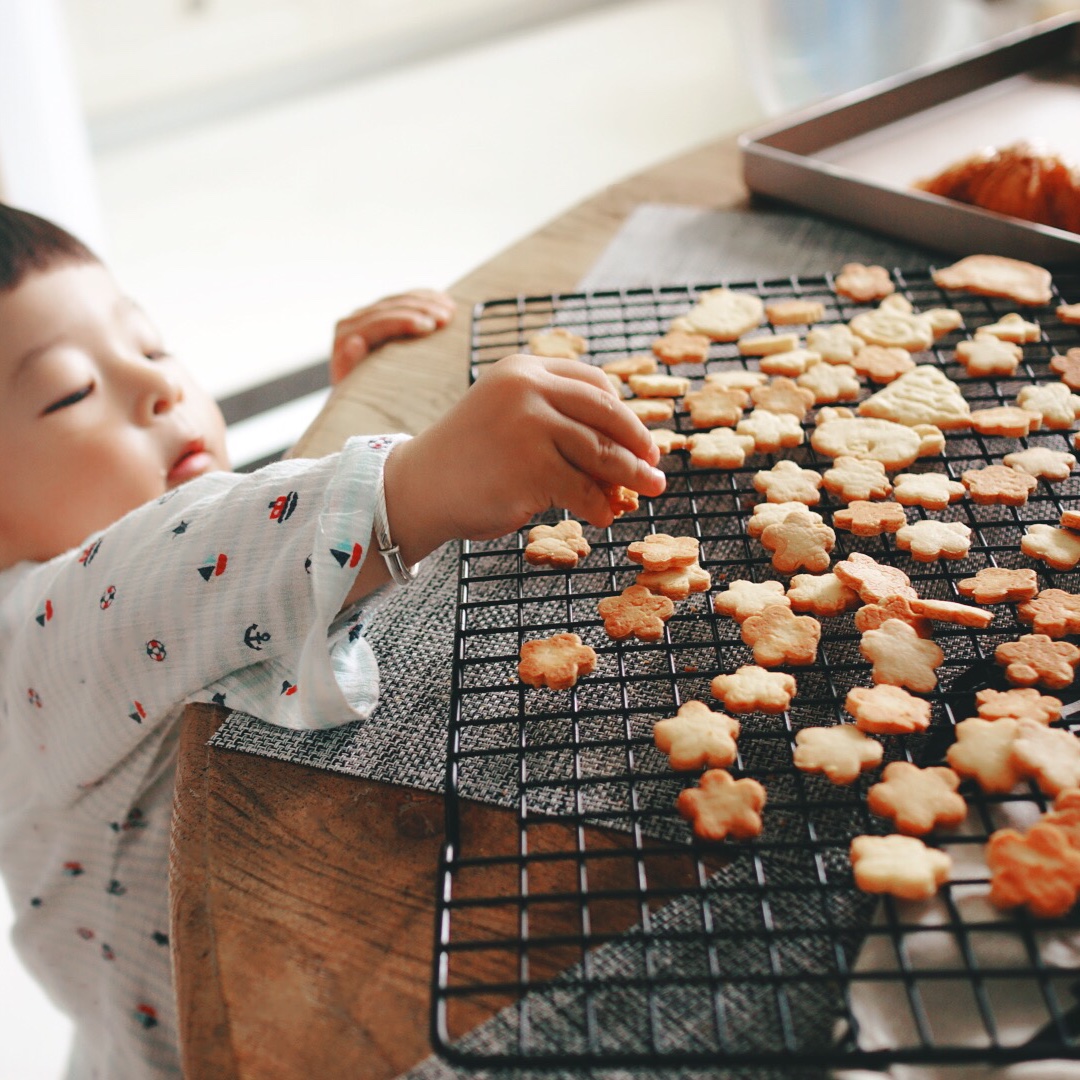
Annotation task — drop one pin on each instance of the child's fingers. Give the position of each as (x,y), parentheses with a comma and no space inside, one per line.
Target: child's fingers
(607,461)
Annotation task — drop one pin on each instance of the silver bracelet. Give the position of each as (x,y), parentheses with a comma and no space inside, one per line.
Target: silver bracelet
(390,552)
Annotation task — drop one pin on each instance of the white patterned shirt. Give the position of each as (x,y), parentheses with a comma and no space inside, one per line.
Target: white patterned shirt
(227,589)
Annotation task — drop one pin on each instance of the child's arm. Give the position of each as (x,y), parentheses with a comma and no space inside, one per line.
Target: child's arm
(411,314)
(531,434)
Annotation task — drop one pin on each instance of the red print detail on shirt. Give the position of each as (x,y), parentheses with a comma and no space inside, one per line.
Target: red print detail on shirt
(45,614)
(107,597)
(146,1015)
(281,509)
(136,712)
(214,566)
(85,933)
(33,697)
(347,556)
(73,868)
(155,650)
(288,688)
(88,553)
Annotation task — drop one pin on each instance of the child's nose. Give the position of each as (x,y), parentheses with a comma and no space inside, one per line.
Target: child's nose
(160,392)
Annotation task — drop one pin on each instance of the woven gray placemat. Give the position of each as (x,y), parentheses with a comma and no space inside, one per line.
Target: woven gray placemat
(413,631)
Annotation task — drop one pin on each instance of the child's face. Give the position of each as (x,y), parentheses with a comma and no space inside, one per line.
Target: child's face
(97,418)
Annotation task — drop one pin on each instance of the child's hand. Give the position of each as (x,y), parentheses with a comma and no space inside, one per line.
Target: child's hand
(533,433)
(412,314)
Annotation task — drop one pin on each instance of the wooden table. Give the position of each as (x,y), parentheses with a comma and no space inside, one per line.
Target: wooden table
(303,900)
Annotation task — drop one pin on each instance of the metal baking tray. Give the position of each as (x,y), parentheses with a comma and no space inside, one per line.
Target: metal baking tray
(856,157)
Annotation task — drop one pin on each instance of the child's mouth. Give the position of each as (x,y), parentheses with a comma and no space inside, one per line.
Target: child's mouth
(192,462)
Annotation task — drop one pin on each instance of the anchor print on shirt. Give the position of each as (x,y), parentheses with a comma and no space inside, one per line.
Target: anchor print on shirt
(254,638)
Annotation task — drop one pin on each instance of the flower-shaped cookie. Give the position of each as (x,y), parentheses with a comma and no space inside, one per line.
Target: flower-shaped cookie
(902,866)
(1038,660)
(870,518)
(556,662)
(1026,703)
(1053,612)
(770,431)
(1012,327)
(721,806)
(1058,548)
(741,599)
(788,482)
(721,448)
(713,406)
(1006,421)
(677,583)
(625,366)
(841,752)
(835,342)
(1068,368)
(635,611)
(561,545)
(929,540)
(853,478)
(930,490)
(983,752)
(873,615)
(862,283)
(681,346)
(557,342)
(1039,870)
(988,356)
(797,543)
(668,441)
(767,513)
(753,689)
(1049,755)
(1041,461)
(783,395)
(791,363)
(778,636)
(724,314)
(917,800)
(873,581)
(830,382)
(999,485)
(997,584)
(900,657)
(662,551)
(882,363)
(697,736)
(885,709)
(1055,402)
(820,594)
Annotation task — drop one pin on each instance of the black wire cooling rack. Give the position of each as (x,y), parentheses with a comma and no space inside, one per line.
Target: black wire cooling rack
(595,930)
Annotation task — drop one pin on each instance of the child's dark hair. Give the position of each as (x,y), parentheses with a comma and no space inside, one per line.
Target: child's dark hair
(29,243)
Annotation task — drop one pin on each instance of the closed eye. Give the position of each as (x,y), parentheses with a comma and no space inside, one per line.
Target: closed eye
(70,399)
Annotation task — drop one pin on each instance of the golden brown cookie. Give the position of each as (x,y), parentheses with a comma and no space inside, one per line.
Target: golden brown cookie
(901,657)
(635,612)
(998,485)
(556,662)
(983,752)
(681,346)
(662,551)
(1038,660)
(863,283)
(1048,755)
(712,406)
(753,689)
(997,584)
(841,752)
(697,736)
(1019,704)
(797,543)
(557,342)
(917,800)
(873,581)
(677,583)
(853,479)
(870,518)
(1053,612)
(885,709)
(821,595)
(626,366)
(778,636)
(995,275)
(1012,327)
(951,612)
(561,545)
(1007,421)
(1038,870)
(1067,367)
(882,363)
(873,615)
(621,499)
(783,395)
(721,806)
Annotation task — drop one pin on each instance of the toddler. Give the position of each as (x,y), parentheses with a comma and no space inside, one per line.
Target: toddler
(137,574)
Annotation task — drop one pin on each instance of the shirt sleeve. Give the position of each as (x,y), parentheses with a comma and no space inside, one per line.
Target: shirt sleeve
(228,588)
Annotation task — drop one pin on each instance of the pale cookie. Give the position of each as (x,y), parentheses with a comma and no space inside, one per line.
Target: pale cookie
(1041,461)
(1026,703)
(944,320)
(635,612)
(658,386)
(983,752)
(1068,313)
(874,615)
(1049,756)
(1012,327)
(900,657)
(556,662)
(1055,402)
(652,410)
(1007,421)
(626,366)
(997,584)
(1053,612)
(917,800)
(791,363)
(924,395)
(778,636)
(895,328)
(771,431)
(828,413)
(1056,547)
(901,866)
(724,315)
(820,595)
(998,485)
(767,513)
(894,445)
(677,583)
(713,406)
(557,342)
(767,344)
(721,806)
(753,689)
(830,382)
(882,363)
(1067,368)
(836,343)
(864,518)
(681,346)
(1070,519)
(666,441)
(995,275)
(741,599)
(1038,660)
(736,379)
(721,448)
(788,482)
(852,478)
(987,357)
(794,312)
(863,283)
(930,540)
(930,490)
(1039,870)
(841,752)
(949,611)
(873,581)
(885,709)
(662,551)
(561,545)
(798,544)
(783,395)
(696,736)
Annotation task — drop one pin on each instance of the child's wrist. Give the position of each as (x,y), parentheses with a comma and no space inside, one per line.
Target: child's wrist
(411,511)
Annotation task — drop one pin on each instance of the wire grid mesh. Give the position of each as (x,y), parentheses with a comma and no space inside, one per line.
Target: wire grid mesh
(595,929)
